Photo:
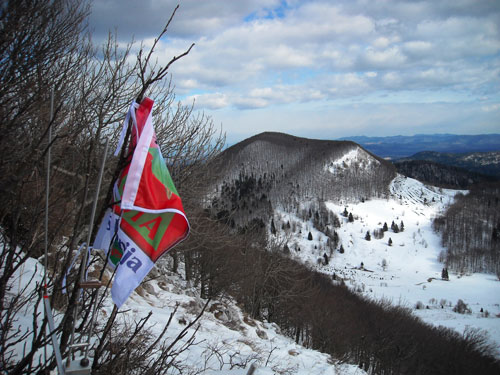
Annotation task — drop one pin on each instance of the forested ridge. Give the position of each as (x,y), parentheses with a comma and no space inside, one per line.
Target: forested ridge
(276,169)
(470,230)
(441,175)
(486,163)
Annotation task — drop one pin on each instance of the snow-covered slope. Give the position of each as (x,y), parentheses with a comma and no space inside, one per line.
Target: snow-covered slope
(406,273)
(227,340)
(356,158)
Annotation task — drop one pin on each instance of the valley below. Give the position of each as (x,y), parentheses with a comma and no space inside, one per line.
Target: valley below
(408,272)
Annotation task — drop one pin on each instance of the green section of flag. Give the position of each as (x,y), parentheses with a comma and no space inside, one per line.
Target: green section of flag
(151,227)
(160,170)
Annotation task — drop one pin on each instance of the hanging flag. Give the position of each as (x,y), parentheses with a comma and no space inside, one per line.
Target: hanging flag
(148,219)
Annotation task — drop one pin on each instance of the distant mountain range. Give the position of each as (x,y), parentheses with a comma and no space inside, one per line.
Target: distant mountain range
(485,163)
(397,147)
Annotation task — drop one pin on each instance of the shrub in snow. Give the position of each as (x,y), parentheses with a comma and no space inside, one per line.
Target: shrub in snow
(384,264)
(378,234)
(462,308)
(419,305)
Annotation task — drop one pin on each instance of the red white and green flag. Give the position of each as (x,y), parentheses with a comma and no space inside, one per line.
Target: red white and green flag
(148,218)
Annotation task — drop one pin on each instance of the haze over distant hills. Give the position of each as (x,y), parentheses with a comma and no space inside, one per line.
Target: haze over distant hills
(396,147)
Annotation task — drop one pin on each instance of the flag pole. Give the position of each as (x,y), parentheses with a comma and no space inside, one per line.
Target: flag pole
(46,302)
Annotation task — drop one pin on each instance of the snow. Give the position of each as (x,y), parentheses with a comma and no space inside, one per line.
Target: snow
(227,341)
(355,156)
(229,337)
(408,272)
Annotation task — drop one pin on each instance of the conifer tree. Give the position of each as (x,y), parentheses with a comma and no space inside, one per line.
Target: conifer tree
(345,213)
(310,236)
(444,274)
(351,218)
(368,237)
(390,241)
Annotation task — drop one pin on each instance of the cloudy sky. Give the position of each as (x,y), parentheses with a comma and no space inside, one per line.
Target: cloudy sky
(326,69)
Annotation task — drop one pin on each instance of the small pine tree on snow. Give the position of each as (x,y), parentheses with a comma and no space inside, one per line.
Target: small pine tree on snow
(336,221)
(368,237)
(402,227)
(310,236)
(392,225)
(384,228)
(444,274)
(327,260)
(351,218)
(390,241)
(345,213)
(341,250)
(396,228)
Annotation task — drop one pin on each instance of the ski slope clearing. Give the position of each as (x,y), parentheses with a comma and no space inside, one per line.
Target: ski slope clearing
(407,272)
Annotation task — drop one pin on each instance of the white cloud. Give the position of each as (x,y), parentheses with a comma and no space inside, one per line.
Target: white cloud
(211,101)
(491,108)
(272,54)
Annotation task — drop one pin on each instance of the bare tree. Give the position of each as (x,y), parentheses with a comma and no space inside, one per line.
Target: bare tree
(45,47)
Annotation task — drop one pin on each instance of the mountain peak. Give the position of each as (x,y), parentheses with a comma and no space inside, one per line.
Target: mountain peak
(277,169)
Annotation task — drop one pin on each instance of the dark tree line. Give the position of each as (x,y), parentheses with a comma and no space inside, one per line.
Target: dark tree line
(441,175)
(470,230)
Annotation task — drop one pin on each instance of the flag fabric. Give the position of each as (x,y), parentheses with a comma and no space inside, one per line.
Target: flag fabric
(148,218)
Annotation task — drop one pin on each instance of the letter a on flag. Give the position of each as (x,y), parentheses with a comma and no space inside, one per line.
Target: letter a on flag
(149,218)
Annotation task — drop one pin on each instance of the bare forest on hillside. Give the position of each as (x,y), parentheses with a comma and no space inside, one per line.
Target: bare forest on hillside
(470,231)
(278,170)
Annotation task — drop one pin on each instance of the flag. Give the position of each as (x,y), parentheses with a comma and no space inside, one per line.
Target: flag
(148,218)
